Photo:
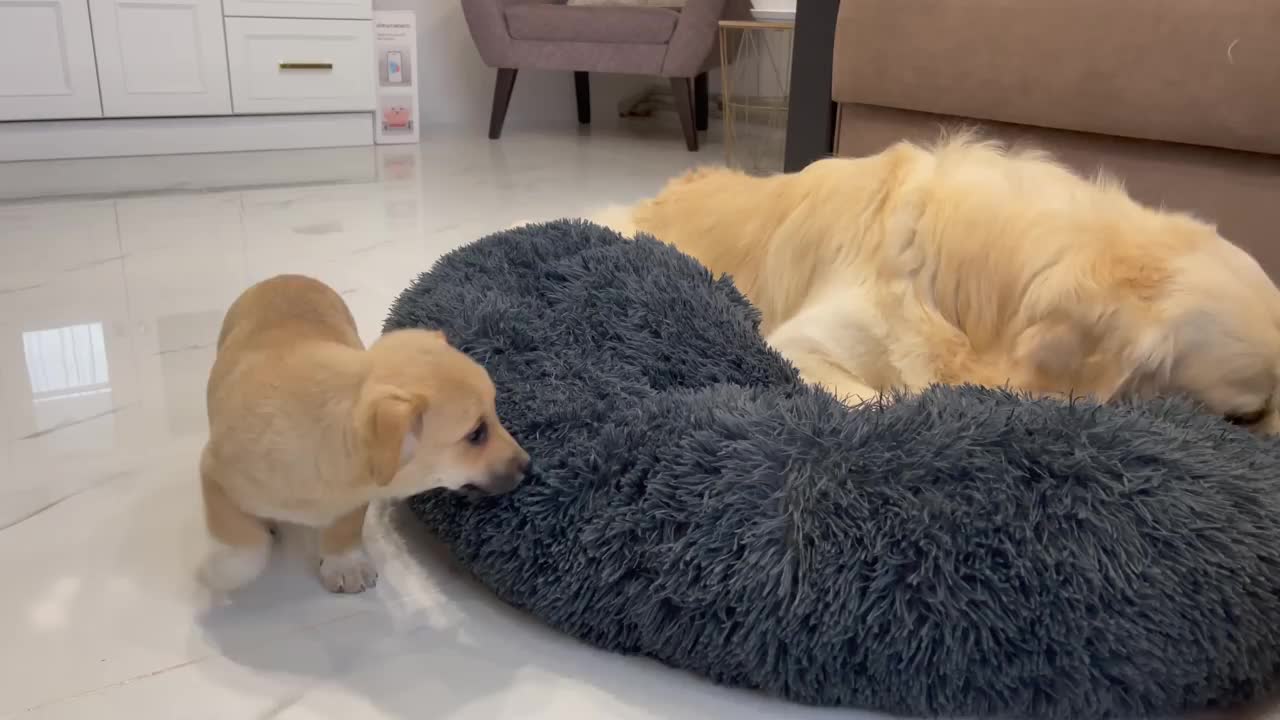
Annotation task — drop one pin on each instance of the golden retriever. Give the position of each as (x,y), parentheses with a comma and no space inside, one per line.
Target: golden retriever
(967,263)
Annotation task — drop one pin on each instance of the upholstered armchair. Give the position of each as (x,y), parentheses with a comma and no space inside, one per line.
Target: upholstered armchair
(679,44)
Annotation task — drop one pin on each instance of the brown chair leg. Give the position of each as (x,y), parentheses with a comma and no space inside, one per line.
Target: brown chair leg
(682,89)
(582,88)
(701,107)
(501,99)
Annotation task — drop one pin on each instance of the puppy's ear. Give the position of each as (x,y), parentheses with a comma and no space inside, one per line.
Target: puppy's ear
(391,428)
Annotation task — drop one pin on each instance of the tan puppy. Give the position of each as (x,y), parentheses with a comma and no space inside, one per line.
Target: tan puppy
(307,427)
(966,263)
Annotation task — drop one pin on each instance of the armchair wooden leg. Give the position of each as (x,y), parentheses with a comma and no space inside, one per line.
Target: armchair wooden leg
(682,90)
(501,99)
(582,88)
(701,102)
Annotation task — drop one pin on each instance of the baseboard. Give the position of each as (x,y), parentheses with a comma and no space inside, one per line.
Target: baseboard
(92,177)
(64,139)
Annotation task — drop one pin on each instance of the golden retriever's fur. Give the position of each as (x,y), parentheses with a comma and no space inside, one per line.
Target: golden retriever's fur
(967,263)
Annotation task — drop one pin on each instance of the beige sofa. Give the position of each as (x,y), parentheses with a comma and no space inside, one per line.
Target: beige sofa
(1178,98)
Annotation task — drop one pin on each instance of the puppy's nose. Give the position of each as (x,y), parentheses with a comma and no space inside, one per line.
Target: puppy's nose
(505,480)
(502,483)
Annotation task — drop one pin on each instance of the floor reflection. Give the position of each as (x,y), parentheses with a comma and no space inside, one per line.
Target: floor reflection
(70,380)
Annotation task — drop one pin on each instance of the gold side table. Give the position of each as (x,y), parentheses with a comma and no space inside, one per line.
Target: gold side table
(755,91)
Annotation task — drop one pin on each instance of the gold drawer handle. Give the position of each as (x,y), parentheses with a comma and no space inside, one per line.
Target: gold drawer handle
(306,66)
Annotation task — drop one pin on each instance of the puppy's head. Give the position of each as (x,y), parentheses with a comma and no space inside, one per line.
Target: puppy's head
(426,419)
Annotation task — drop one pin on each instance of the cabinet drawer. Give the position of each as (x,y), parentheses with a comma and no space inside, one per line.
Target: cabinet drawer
(291,66)
(339,9)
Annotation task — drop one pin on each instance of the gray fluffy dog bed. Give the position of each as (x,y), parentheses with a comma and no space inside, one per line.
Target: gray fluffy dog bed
(965,552)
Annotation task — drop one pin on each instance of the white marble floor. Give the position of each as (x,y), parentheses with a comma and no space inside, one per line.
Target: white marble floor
(109,306)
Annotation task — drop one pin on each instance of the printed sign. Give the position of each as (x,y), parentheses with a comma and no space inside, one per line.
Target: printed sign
(395,41)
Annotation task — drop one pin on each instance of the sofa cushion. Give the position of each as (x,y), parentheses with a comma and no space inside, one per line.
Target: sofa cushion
(1185,71)
(591,24)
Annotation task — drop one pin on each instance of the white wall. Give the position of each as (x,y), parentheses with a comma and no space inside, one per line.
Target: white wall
(456,88)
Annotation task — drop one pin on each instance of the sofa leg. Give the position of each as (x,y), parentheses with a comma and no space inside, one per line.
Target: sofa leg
(582,89)
(501,99)
(701,102)
(682,90)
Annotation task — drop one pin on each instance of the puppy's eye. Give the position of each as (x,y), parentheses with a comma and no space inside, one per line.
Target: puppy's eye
(479,434)
(1249,418)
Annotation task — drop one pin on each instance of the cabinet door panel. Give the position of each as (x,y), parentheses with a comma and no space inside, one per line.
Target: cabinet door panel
(46,61)
(161,57)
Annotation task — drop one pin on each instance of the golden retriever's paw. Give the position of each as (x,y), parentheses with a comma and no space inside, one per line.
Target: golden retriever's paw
(349,572)
(230,568)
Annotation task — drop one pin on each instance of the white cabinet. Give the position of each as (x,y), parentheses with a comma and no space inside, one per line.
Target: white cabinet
(161,57)
(106,78)
(300,66)
(46,61)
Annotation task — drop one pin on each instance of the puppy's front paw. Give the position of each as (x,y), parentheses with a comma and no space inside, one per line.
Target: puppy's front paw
(229,568)
(350,572)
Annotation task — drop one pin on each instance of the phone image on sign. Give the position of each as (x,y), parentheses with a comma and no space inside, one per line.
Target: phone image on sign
(395,67)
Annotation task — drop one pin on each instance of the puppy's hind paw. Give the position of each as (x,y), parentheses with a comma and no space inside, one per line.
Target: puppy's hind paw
(229,568)
(350,572)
